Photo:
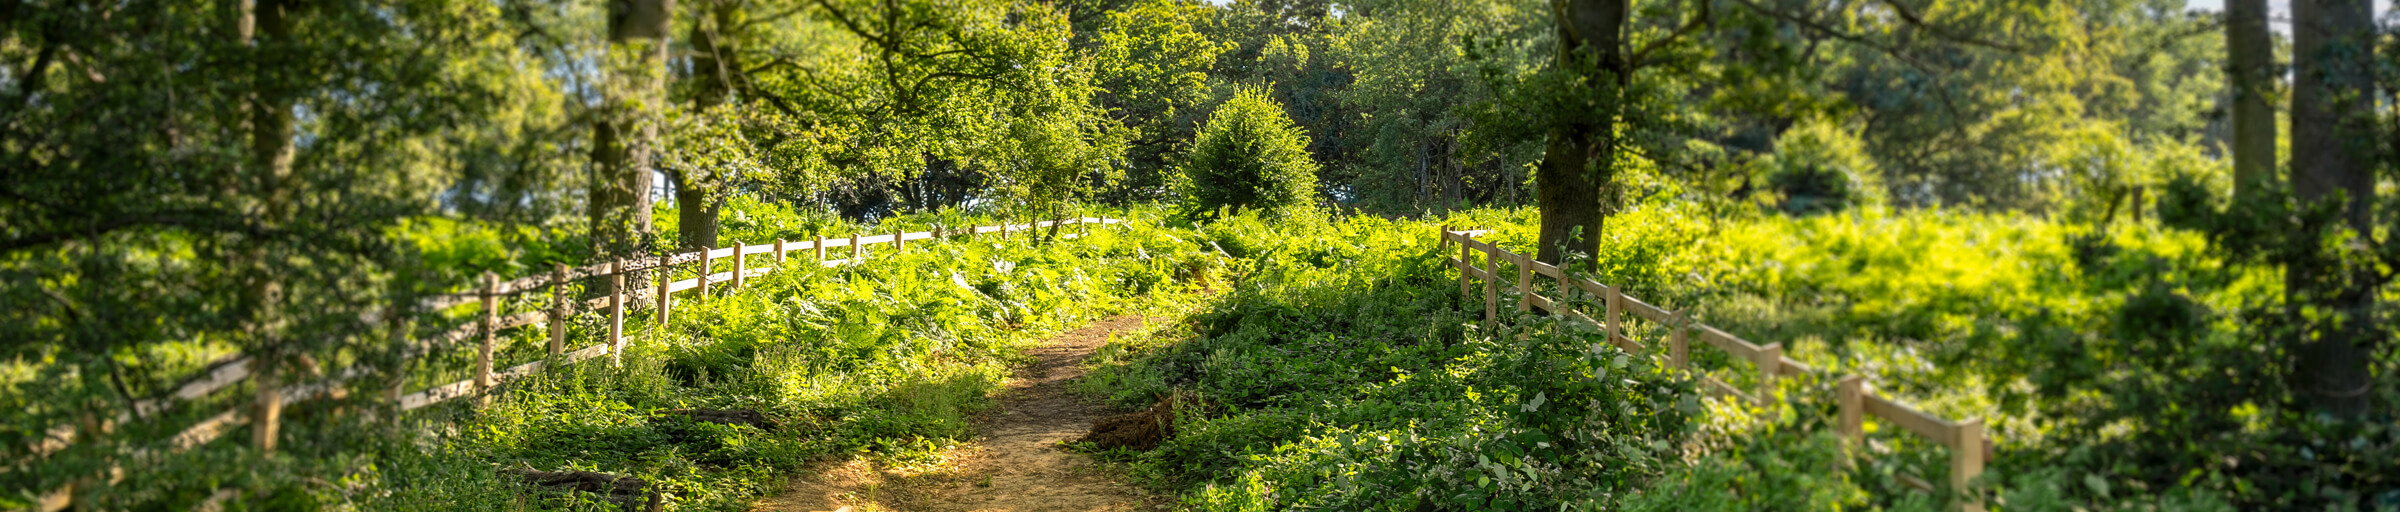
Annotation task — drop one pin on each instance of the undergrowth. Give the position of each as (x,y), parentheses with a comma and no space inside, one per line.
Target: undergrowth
(2118,368)
(886,359)
(1345,375)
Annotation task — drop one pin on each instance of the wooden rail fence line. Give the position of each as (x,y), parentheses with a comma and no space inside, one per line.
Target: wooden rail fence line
(230,371)
(1964,438)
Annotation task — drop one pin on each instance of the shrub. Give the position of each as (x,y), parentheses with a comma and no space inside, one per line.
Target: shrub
(1248,157)
(1817,168)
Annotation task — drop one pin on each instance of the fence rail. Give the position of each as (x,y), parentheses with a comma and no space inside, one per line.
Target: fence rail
(1964,438)
(621,296)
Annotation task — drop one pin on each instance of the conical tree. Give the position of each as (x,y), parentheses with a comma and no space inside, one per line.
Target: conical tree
(1249,156)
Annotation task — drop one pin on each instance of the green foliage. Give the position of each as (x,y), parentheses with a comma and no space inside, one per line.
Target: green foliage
(1347,377)
(2121,363)
(889,358)
(1776,470)
(1418,69)
(880,107)
(2137,358)
(2095,358)
(459,251)
(708,150)
(1818,167)
(2011,86)
(157,220)
(1153,60)
(1249,157)
(748,219)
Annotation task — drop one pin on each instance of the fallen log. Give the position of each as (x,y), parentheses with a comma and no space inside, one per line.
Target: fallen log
(629,493)
(1140,430)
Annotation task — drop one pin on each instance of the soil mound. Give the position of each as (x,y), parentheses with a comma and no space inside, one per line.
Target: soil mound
(1140,430)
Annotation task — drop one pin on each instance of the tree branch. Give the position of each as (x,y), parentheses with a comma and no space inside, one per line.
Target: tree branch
(852,26)
(1641,56)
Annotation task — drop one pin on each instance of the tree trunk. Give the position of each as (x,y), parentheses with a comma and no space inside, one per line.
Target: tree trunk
(2331,52)
(714,56)
(1058,217)
(625,136)
(2250,56)
(1579,165)
(266,26)
(713,65)
(695,215)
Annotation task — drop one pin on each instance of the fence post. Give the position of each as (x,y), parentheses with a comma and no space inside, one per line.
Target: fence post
(483,352)
(741,265)
(707,266)
(1567,293)
(1850,393)
(401,327)
(857,250)
(616,311)
(1770,359)
(558,308)
(820,248)
(665,279)
(1678,342)
(268,415)
(779,248)
(1491,284)
(1616,308)
(1524,282)
(1966,461)
(1466,269)
(899,241)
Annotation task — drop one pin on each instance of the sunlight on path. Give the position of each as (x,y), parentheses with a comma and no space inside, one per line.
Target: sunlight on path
(1014,464)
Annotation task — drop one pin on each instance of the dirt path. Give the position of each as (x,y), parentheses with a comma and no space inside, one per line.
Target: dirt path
(1013,465)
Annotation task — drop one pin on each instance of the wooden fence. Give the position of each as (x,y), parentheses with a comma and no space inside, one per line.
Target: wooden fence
(264,413)
(1964,438)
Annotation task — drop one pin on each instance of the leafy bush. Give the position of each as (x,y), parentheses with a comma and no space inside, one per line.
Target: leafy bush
(1818,168)
(1249,157)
